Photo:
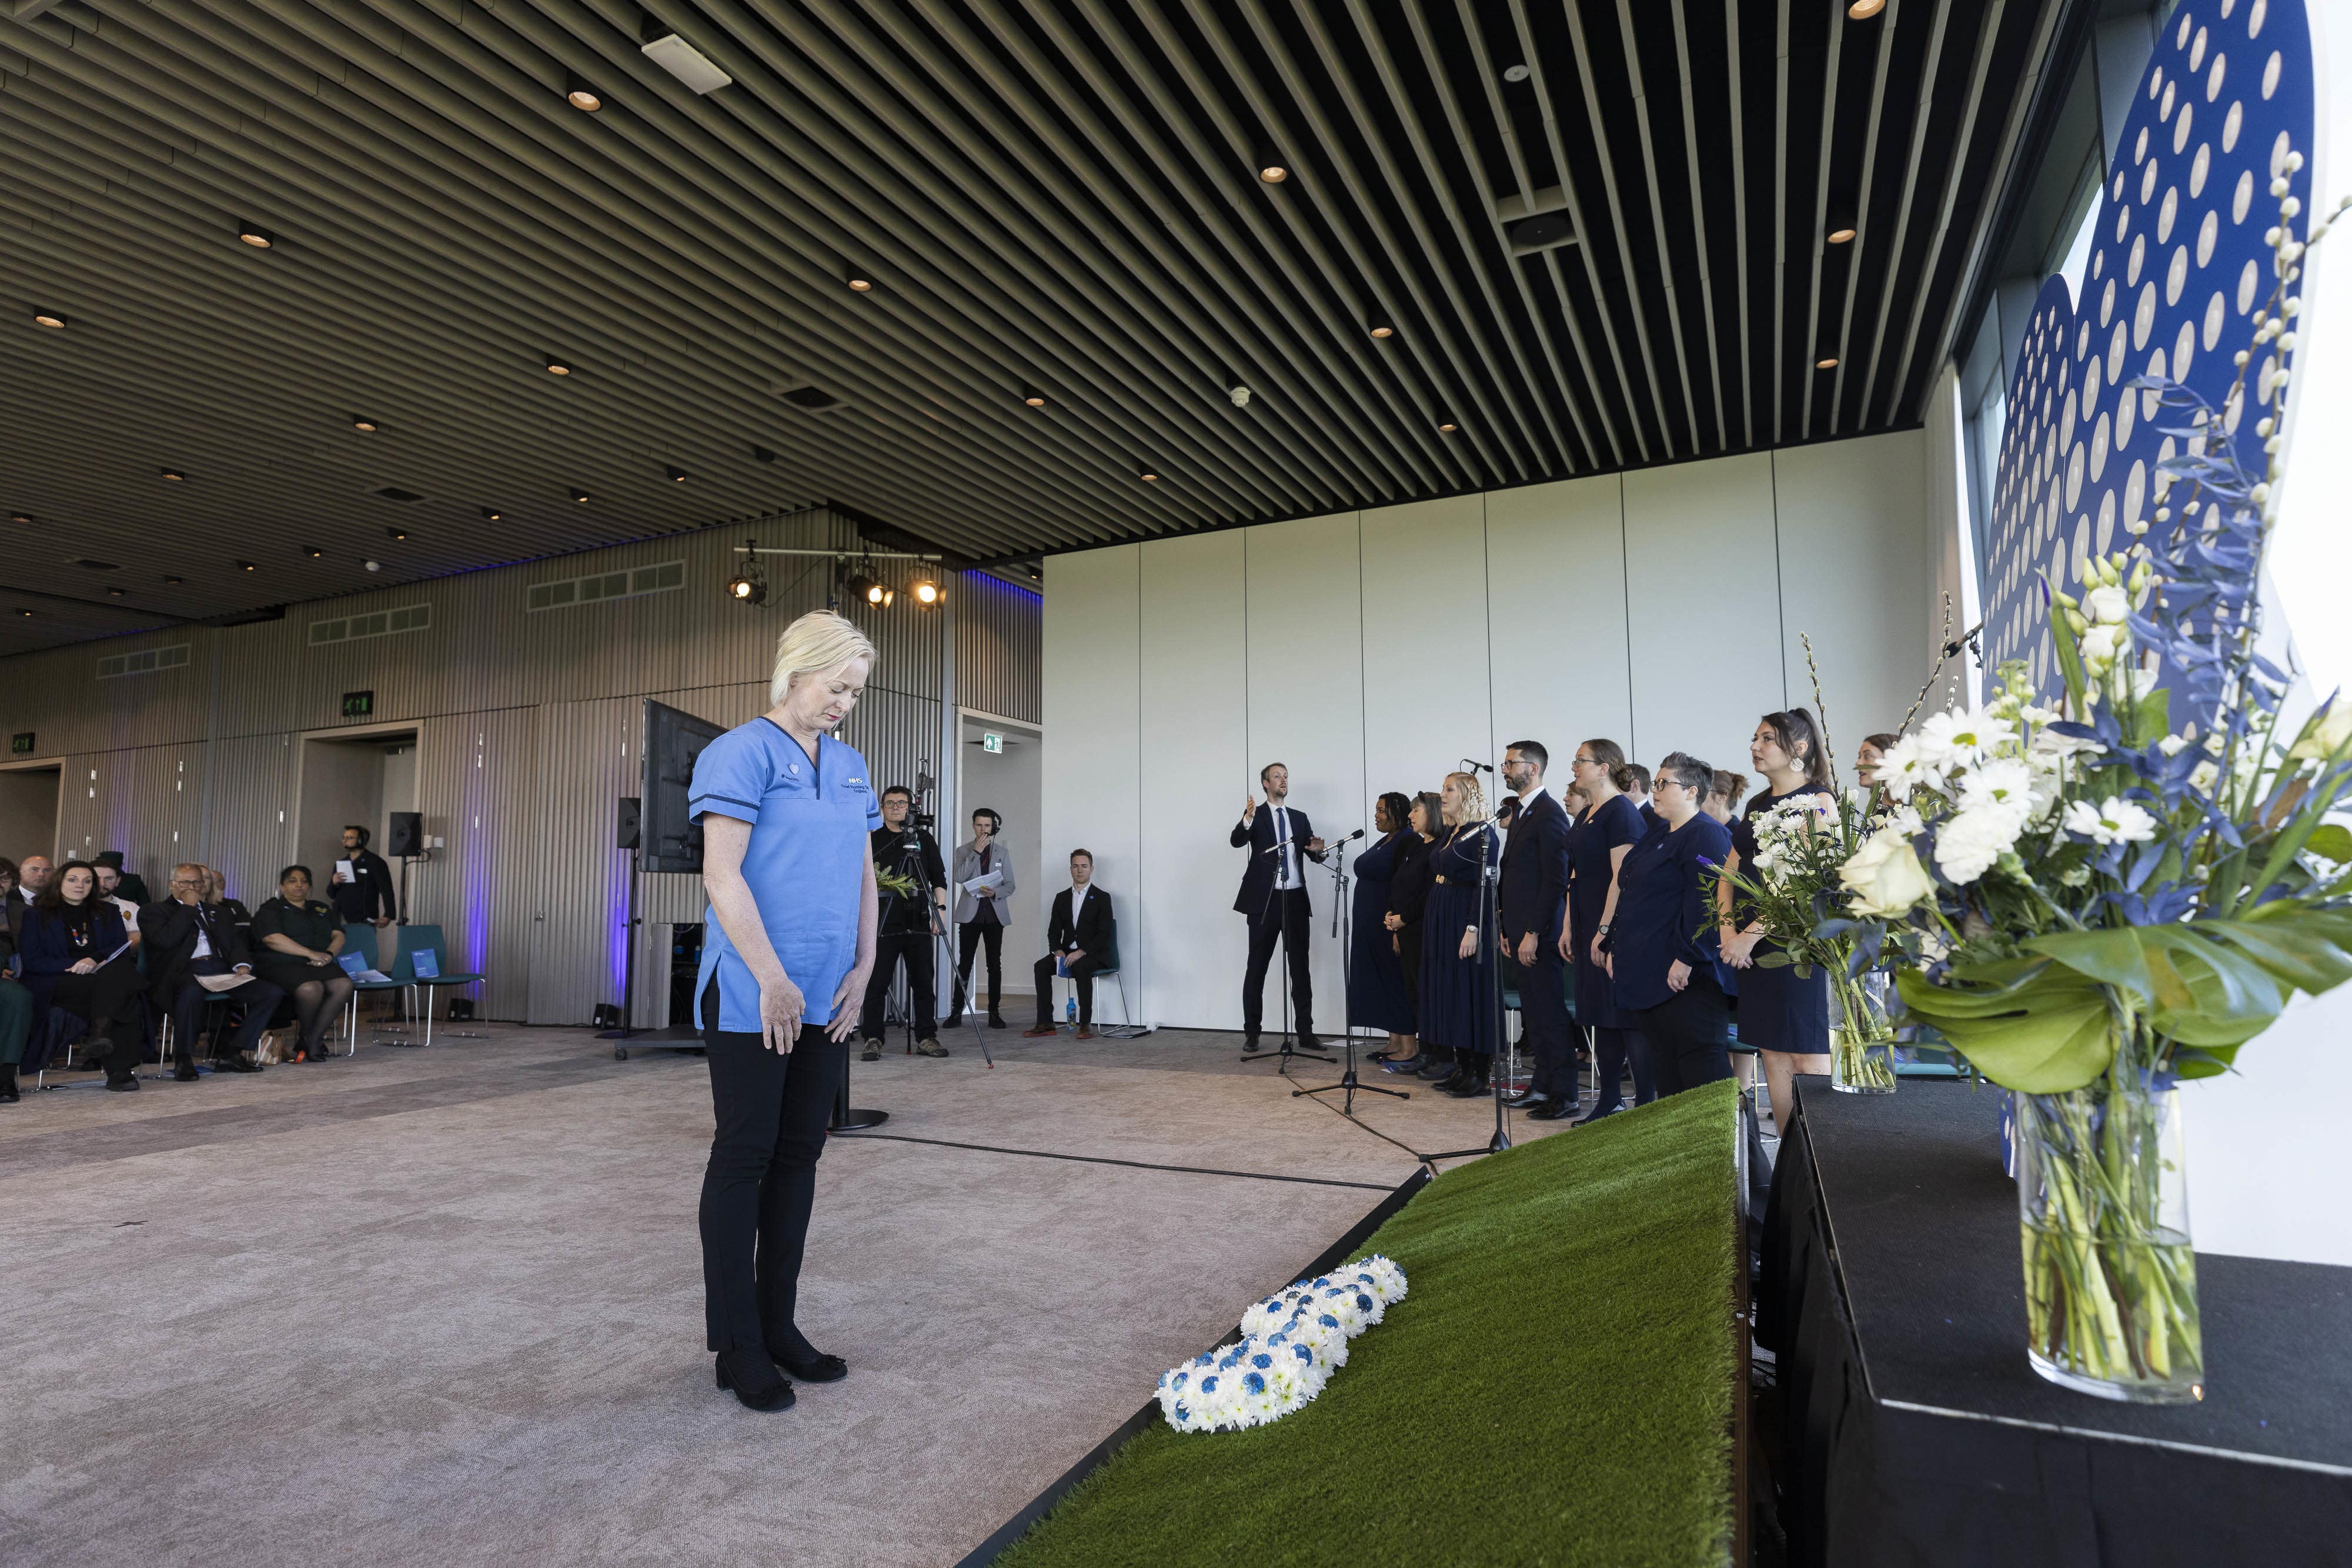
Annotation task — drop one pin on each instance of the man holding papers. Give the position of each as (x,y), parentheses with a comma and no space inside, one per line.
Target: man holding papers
(195,953)
(983,879)
(1081,938)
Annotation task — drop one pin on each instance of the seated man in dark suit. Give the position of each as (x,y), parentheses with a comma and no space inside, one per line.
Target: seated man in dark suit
(185,937)
(1081,938)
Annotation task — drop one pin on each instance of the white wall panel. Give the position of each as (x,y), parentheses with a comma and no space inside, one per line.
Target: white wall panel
(1857,581)
(1702,600)
(1093,727)
(1196,767)
(1426,696)
(1555,593)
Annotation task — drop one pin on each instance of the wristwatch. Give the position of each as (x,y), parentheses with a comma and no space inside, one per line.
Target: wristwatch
(1601,929)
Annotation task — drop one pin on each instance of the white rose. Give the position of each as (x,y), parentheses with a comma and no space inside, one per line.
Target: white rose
(1884,878)
(2099,646)
(2328,735)
(2107,603)
(1974,837)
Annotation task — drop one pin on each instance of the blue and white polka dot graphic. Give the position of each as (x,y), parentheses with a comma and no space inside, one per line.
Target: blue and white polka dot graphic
(2179,265)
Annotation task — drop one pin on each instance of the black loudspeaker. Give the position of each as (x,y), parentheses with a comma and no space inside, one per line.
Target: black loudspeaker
(407,834)
(628,838)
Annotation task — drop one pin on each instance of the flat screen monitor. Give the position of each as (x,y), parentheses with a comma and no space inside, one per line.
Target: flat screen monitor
(668,840)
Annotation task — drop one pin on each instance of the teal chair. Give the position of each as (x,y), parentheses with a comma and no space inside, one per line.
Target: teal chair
(360,938)
(415,939)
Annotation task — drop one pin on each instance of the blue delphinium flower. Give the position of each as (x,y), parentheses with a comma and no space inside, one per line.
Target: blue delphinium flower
(1254,1382)
(1261,1360)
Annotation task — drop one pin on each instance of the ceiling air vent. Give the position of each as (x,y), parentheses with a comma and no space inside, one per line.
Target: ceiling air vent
(814,399)
(395,492)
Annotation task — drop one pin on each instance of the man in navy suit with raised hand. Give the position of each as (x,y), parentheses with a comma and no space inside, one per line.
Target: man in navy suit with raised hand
(1273,900)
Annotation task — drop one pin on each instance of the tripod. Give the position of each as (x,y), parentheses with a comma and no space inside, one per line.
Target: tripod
(1287,1053)
(1341,920)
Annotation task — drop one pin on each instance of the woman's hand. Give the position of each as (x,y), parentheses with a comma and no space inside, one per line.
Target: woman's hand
(1600,955)
(1677,975)
(1738,948)
(1567,946)
(1393,921)
(85,967)
(781,1009)
(318,959)
(1396,944)
(845,1021)
(1469,943)
(1609,965)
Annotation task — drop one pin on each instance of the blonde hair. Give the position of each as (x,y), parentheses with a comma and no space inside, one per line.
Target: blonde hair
(818,641)
(1473,799)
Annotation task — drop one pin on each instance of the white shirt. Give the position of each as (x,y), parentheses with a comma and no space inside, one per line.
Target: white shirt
(204,943)
(1287,874)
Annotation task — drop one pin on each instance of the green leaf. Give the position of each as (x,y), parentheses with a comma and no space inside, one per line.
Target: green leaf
(2025,1023)
(2331,841)
(2190,987)
(2309,949)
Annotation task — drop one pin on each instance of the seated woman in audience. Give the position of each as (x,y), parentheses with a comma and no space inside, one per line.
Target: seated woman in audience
(1663,934)
(69,936)
(296,940)
(1458,962)
(216,888)
(1409,885)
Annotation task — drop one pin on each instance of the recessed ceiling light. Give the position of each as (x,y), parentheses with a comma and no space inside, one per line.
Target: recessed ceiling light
(117,592)
(243,565)
(22,610)
(20,517)
(169,577)
(858,282)
(314,552)
(1146,472)
(1840,234)
(763,454)
(1032,397)
(558,368)
(1381,330)
(398,533)
(1516,73)
(257,237)
(1863,10)
(677,475)
(1446,427)
(580,495)
(173,475)
(1839,224)
(580,95)
(362,424)
(1827,362)
(491,514)
(1273,171)
(54,320)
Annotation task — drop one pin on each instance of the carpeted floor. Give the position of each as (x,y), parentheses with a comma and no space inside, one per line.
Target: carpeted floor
(445,1306)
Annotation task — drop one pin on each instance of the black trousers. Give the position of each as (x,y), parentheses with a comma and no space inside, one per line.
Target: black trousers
(1283,918)
(108,997)
(258,996)
(770,1109)
(1543,1023)
(922,990)
(1688,1036)
(1082,978)
(972,935)
(1612,1049)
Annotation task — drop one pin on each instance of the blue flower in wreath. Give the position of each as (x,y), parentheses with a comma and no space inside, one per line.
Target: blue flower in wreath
(1261,1360)
(1302,1352)
(1363,1302)
(1182,1414)
(1254,1382)
(1181,1379)
(1208,1386)
(1204,1359)
(1327,1320)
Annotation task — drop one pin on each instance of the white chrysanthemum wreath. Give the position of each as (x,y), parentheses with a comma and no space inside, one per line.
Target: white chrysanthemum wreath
(1290,1346)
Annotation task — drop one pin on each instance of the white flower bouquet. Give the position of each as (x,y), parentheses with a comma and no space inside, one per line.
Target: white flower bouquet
(1291,1345)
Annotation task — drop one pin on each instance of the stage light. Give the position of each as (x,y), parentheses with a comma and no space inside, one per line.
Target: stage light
(24,612)
(580,95)
(558,368)
(749,584)
(365,425)
(257,237)
(677,475)
(54,320)
(926,591)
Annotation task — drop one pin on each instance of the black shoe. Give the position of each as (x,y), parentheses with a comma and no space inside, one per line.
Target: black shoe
(1553,1111)
(1469,1088)
(185,1073)
(1403,1063)
(9,1094)
(1307,1041)
(1526,1099)
(996,1021)
(233,1062)
(1444,1083)
(1437,1068)
(1249,1043)
(1597,1112)
(755,1380)
(124,1085)
(824,1369)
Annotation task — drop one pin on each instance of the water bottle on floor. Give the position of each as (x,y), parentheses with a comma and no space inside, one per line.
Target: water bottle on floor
(1070,1011)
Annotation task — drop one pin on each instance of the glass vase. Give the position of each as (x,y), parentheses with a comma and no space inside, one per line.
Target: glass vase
(2103,1209)
(1862,1041)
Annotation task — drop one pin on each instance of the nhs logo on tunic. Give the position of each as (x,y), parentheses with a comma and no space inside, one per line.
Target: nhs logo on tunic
(2179,265)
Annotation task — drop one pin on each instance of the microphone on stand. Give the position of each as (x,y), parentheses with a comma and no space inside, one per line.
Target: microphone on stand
(1470,766)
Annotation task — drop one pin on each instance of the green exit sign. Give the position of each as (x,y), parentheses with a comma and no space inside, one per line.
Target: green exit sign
(359,705)
(990,741)
(21,743)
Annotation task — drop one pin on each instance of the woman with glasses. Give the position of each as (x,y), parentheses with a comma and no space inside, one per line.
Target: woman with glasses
(1784,1015)
(1598,840)
(1659,941)
(1458,954)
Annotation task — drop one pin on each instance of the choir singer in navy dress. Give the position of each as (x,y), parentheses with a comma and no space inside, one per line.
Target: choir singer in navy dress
(1659,945)
(1376,990)
(1273,900)
(1784,1015)
(1458,955)
(786,808)
(1604,832)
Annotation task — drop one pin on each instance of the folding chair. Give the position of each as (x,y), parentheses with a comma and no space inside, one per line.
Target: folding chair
(415,939)
(359,938)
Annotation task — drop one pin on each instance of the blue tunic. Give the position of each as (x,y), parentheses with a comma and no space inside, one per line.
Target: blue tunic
(1591,838)
(1778,1011)
(1457,1007)
(1666,912)
(1376,997)
(805,864)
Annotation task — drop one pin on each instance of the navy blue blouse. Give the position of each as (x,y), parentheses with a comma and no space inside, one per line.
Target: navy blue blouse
(1664,910)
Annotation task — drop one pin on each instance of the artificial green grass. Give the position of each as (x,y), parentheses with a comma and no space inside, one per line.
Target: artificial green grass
(1556,1388)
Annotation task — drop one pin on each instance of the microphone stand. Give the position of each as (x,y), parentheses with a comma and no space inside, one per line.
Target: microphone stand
(1285,1054)
(1342,921)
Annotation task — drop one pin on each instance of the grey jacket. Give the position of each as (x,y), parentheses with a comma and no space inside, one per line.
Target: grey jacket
(966,866)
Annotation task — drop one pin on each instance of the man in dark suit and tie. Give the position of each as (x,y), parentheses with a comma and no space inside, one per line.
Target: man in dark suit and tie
(1081,938)
(1280,841)
(1533,903)
(183,936)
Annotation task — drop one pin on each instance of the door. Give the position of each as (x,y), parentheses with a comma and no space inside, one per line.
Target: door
(587,762)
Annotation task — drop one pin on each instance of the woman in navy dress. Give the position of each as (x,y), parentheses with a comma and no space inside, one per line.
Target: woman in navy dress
(1784,1016)
(1661,940)
(1457,957)
(1376,994)
(1598,842)
(1409,890)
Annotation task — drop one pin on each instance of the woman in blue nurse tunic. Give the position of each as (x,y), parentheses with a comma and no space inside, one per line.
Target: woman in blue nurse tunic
(785,808)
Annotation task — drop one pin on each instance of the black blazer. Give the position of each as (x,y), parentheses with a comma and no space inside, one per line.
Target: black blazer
(1534,892)
(170,929)
(1409,883)
(1258,877)
(1096,932)
(370,892)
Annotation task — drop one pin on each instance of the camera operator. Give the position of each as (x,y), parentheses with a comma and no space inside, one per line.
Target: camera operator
(907,928)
